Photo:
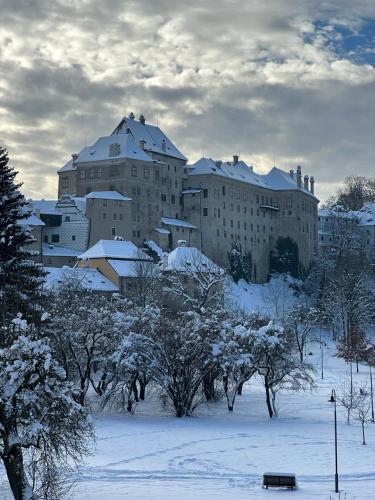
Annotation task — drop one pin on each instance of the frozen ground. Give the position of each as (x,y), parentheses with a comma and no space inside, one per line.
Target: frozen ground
(219,455)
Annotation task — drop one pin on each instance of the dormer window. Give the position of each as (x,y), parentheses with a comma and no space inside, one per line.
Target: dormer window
(114,149)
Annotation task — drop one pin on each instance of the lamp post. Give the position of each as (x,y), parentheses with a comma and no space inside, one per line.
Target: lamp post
(334,400)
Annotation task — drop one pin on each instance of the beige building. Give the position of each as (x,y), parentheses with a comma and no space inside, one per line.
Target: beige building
(119,261)
(213,205)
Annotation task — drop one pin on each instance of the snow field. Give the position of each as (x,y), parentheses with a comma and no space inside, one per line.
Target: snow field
(220,455)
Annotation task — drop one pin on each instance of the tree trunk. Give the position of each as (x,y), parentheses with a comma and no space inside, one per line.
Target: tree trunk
(142,386)
(239,390)
(209,386)
(363,433)
(268,399)
(273,401)
(13,463)
(135,390)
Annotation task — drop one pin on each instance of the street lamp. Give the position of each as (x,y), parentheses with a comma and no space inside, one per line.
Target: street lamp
(334,400)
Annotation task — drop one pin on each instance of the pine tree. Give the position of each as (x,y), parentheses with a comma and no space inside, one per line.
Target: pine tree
(20,277)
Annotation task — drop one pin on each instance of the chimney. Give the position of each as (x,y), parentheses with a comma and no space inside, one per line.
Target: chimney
(132,116)
(142,143)
(306,182)
(74,156)
(218,163)
(142,119)
(312,182)
(235,159)
(291,173)
(182,243)
(299,177)
(163,145)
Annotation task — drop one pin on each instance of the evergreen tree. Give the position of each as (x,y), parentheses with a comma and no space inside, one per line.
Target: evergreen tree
(235,263)
(286,257)
(20,277)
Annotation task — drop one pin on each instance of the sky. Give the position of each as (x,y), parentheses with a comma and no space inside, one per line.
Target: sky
(278,82)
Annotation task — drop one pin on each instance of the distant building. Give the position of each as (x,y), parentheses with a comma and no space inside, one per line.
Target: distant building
(213,205)
(120,261)
(84,278)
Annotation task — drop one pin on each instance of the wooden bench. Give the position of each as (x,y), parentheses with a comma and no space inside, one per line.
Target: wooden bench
(279,480)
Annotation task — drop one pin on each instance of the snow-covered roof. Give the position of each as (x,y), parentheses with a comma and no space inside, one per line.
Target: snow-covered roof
(169,221)
(343,214)
(126,268)
(56,251)
(366,216)
(80,201)
(68,167)
(107,195)
(191,191)
(162,230)
(113,148)
(114,249)
(154,247)
(154,139)
(32,220)
(275,180)
(89,279)
(189,258)
(46,207)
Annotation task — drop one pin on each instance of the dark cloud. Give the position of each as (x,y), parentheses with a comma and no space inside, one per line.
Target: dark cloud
(220,76)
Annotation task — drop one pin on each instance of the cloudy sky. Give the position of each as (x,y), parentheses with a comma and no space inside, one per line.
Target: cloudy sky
(278,82)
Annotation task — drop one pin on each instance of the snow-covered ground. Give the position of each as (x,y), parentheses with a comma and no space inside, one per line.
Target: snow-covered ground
(218,455)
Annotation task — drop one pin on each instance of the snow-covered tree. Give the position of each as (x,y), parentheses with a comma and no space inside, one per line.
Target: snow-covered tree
(234,354)
(349,397)
(85,330)
(299,323)
(362,411)
(278,366)
(20,277)
(38,409)
(177,353)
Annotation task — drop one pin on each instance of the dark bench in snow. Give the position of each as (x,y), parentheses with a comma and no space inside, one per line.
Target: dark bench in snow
(279,480)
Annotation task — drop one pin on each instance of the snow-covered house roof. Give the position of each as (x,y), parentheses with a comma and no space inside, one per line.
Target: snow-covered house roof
(107,195)
(32,220)
(45,207)
(114,148)
(344,214)
(185,258)
(154,139)
(130,268)
(88,278)
(366,216)
(276,179)
(56,251)
(169,221)
(114,249)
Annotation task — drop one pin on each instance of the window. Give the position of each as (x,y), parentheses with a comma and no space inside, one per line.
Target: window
(173,199)
(46,238)
(92,173)
(73,237)
(205,212)
(55,238)
(146,173)
(157,175)
(114,216)
(205,193)
(163,197)
(104,215)
(134,171)
(82,175)
(121,217)
(67,218)
(65,182)
(223,190)
(99,173)
(105,203)
(113,231)
(114,149)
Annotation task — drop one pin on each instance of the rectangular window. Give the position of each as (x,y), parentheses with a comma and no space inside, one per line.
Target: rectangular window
(146,173)
(55,238)
(73,237)
(99,173)
(205,193)
(205,212)
(173,199)
(134,171)
(163,197)
(82,174)
(92,173)
(157,175)
(104,215)
(65,182)
(223,190)
(113,231)
(114,216)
